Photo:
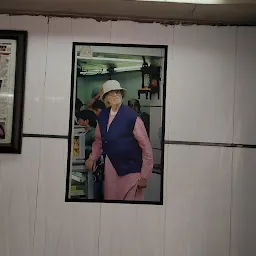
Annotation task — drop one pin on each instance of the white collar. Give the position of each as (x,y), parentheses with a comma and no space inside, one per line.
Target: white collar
(112,113)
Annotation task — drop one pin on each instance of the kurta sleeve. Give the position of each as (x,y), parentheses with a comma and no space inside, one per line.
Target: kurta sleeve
(141,136)
(96,145)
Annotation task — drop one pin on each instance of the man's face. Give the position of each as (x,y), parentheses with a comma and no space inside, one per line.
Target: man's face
(114,97)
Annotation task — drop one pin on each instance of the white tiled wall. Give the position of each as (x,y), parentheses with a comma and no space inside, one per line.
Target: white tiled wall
(62,228)
(243,203)
(36,68)
(91,31)
(198,201)
(245,118)
(58,77)
(18,196)
(201,77)
(209,191)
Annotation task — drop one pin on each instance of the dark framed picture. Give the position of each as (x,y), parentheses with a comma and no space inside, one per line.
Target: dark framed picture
(13,47)
(117,120)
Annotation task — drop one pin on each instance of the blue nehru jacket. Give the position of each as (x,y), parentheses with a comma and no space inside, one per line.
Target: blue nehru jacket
(119,143)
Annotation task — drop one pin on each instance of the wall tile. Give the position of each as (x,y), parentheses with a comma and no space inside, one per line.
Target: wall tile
(198,201)
(201,84)
(18,191)
(62,228)
(131,230)
(58,77)
(151,226)
(91,31)
(118,230)
(245,89)
(243,225)
(37,28)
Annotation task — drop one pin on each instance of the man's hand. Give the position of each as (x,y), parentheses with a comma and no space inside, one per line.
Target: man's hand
(89,164)
(142,183)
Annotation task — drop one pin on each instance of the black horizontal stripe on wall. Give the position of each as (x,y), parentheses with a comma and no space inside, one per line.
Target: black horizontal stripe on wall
(50,136)
(209,144)
(172,142)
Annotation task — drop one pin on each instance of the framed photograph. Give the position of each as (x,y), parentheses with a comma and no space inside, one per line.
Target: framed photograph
(13,46)
(117,120)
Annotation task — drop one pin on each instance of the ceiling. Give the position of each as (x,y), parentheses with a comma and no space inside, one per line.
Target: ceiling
(100,65)
(97,62)
(230,12)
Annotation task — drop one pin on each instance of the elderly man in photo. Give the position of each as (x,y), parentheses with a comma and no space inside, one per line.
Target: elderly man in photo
(122,138)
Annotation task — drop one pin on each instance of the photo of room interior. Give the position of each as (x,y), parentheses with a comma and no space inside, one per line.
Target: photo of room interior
(130,66)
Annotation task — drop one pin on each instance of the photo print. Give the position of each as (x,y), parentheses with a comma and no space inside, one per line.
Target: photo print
(116,131)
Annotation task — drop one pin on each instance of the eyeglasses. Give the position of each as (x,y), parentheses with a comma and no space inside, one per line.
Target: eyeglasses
(114,92)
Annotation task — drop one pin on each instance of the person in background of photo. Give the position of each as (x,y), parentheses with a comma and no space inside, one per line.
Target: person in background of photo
(2,132)
(122,137)
(88,119)
(78,106)
(135,104)
(97,107)
(96,93)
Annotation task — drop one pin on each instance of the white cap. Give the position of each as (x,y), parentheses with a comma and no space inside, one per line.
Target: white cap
(111,85)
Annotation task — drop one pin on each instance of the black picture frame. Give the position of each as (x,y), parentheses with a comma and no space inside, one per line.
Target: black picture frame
(21,38)
(71,122)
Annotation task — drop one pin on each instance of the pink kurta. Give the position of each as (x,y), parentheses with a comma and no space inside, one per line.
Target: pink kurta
(125,187)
